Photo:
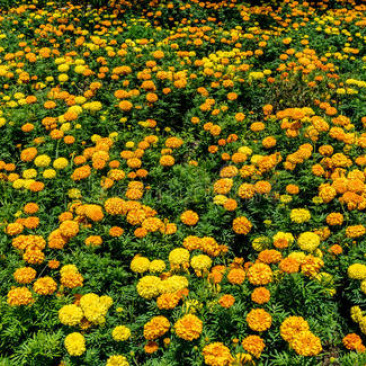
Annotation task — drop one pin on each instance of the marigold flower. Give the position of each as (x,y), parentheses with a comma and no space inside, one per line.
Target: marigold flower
(217,354)
(241,225)
(45,286)
(259,320)
(227,301)
(260,274)
(19,296)
(306,343)
(254,345)
(156,328)
(75,344)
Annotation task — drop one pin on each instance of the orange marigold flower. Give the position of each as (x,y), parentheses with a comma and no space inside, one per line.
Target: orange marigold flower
(335,249)
(217,354)
(25,275)
(45,286)
(353,342)
(20,296)
(116,231)
(306,343)
(259,320)
(289,265)
(241,225)
(227,301)
(260,274)
(156,327)
(254,345)
(236,276)
(31,208)
(261,295)
(189,218)
(189,327)
(151,347)
(292,326)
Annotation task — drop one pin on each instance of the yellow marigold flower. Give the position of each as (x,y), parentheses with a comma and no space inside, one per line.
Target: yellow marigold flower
(260,243)
(308,241)
(173,284)
(363,286)
(140,264)
(117,360)
(157,266)
(149,287)
(201,262)
(178,256)
(189,327)
(42,161)
(106,301)
(220,199)
(29,174)
(74,193)
(70,315)
(75,344)
(49,174)
(300,215)
(357,271)
(121,333)
(60,163)
(69,228)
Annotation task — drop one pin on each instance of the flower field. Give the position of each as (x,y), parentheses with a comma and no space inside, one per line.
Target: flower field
(183,183)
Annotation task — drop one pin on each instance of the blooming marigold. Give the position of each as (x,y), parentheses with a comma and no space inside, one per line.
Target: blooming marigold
(260,295)
(300,215)
(306,343)
(117,360)
(241,225)
(357,271)
(353,342)
(189,218)
(292,326)
(217,354)
(25,275)
(227,301)
(308,241)
(254,345)
(70,315)
(260,274)
(236,276)
(156,328)
(75,344)
(259,320)
(45,286)
(20,296)
(149,287)
(121,333)
(189,327)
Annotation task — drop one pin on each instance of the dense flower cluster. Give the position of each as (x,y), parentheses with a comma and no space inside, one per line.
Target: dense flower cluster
(182,182)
